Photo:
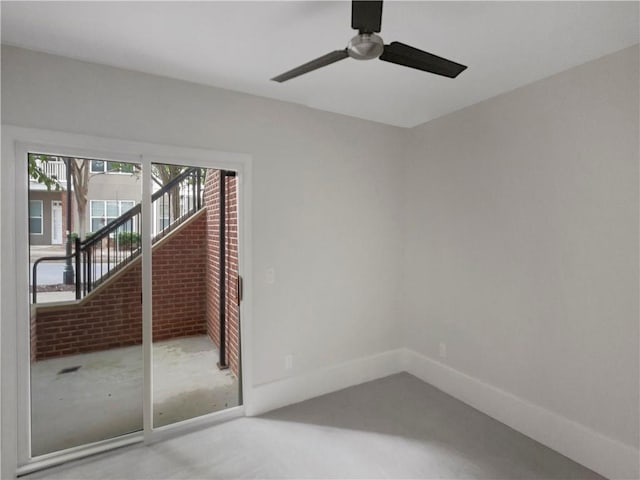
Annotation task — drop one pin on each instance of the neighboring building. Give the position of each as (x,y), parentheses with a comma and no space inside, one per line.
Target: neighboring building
(46,216)
(113,189)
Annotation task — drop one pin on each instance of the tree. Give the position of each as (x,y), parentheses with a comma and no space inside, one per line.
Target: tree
(79,169)
(163,174)
(38,173)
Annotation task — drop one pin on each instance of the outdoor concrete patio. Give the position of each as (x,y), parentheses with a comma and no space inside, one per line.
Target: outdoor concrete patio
(103,397)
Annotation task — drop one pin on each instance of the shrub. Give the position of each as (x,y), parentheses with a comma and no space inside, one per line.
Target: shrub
(128,240)
(75,235)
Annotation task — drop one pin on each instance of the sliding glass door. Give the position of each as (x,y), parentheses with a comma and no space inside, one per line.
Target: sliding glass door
(134,301)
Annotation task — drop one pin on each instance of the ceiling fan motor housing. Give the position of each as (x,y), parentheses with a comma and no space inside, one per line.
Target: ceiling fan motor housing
(365,46)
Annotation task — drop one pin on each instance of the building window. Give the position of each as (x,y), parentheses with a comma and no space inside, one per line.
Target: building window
(105,211)
(163,213)
(35,217)
(100,166)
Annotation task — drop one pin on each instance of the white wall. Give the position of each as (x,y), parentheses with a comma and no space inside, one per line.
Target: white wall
(522,243)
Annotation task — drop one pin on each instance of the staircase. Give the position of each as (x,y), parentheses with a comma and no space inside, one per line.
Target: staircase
(118,243)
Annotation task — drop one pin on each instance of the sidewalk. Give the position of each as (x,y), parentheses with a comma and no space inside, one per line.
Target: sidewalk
(50,273)
(39,251)
(52,297)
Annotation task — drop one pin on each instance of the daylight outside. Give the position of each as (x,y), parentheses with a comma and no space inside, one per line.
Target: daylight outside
(86,281)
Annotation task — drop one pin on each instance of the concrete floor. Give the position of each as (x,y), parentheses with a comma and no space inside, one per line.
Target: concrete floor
(395,427)
(103,398)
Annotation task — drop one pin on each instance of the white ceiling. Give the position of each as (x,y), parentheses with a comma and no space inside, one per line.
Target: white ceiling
(241,45)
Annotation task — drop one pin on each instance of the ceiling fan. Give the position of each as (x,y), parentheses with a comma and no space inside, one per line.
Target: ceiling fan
(366,17)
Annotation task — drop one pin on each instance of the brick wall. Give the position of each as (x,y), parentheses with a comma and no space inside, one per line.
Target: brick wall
(179,269)
(232,315)
(232,309)
(33,333)
(111,316)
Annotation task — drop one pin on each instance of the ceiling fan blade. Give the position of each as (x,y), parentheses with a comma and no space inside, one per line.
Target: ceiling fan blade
(402,54)
(366,16)
(323,61)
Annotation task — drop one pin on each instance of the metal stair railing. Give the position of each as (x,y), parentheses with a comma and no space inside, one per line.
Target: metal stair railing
(118,243)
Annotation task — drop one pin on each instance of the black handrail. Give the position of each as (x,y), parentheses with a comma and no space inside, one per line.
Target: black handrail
(129,214)
(173,182)
(110,227)
(196,194)
(34,274)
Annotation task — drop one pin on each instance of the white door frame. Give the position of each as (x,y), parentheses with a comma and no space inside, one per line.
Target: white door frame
(54,204)
(14,281)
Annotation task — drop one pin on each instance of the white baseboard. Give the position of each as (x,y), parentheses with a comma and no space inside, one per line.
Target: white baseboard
(280,393)
(606,456)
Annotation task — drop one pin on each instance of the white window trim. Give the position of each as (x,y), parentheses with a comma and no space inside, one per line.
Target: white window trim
(162,214)
(105,217)
(41,217)
(105,171)
(56,203)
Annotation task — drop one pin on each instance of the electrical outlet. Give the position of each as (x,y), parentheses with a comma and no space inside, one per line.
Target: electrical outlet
(288,362)
(443,350)
(270,276)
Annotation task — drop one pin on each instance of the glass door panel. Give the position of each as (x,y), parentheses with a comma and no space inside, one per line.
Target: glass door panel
(195,340)
(86,313)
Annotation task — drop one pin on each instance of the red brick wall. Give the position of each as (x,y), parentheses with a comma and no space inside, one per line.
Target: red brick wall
(232,309)
(111,316)
(179,268)
(33,333)
(232,314)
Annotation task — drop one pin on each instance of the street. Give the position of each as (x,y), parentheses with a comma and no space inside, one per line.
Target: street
(51,273)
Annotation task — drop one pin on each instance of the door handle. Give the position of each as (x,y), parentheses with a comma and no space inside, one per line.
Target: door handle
(239,290)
